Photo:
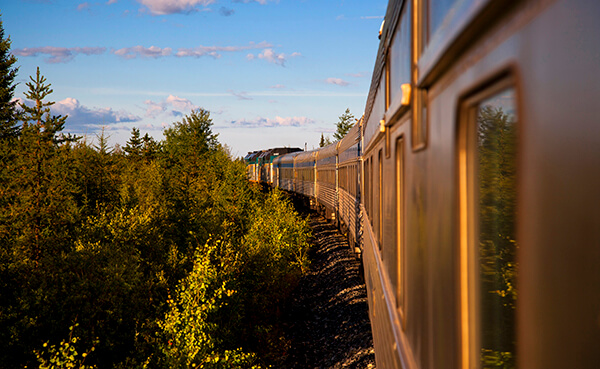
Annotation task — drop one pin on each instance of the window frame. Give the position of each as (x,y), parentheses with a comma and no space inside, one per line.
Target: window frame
(468,209)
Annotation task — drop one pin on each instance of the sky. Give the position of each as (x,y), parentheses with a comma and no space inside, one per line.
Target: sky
(271,73)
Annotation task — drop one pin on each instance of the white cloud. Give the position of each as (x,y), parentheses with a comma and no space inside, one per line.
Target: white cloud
(337,81)
(215,51)
(175,105)
(277,87)
(162,7)
(276,122)
(59,54)
(146,52)
(79,114)
(82,119)
(273,57)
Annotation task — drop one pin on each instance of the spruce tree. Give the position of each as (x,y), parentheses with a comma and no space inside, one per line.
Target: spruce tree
(344,124)
(150,147)
(8,73)
(133,147)
(324,141)
(42,207)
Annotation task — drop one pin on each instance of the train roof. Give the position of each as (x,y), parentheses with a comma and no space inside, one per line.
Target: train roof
(268,154)
(287,158)
(252,156)
(307,156)
(351,138)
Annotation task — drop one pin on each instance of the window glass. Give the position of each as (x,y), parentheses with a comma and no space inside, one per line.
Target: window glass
(439,10)
(400,221)
(496,142)
(380,203)
(400,55)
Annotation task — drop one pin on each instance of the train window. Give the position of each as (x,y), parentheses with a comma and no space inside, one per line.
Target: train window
(400,225)
(399,58)
(488,187)
(365,188)
(388,87)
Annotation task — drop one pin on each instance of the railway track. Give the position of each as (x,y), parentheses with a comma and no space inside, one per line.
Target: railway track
(327,320)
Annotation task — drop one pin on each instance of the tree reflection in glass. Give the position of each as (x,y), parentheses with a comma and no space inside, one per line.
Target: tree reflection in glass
(496,146)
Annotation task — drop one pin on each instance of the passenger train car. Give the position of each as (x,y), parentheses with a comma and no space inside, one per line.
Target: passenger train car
(475,179)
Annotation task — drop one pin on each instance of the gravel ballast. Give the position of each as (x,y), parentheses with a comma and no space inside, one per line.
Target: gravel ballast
(327,321)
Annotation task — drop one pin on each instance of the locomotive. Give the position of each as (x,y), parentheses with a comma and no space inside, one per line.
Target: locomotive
(471,185)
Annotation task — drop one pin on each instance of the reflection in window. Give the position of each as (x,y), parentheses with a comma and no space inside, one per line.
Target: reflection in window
(399,60)
(380,193)
(439,10)
(496,181)
(400,222)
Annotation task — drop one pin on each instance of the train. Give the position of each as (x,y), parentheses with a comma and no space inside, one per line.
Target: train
(470,187)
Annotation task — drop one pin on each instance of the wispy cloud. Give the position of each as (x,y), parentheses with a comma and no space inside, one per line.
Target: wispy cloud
(261,2)
(64,55)
(337,81)
(59,54)
(141,51)
(215,51)
(277,87)
(260,122)
(163,7)
(273,57)
(240,95)
(173,105)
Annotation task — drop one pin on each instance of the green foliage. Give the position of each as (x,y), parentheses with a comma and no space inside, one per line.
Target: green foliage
(346,122)
(8,73)
(497,144)
(65,356)
(324,141)
(134,145)
(274,254)
(93,235)
(193,337)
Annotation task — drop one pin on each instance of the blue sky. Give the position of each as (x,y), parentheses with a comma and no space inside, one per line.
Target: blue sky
(271,72)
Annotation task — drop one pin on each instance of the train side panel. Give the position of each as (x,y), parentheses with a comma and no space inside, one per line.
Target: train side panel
(534,66)
(349,183)
(326,181)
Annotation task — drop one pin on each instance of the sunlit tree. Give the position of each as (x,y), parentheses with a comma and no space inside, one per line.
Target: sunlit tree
(346,121)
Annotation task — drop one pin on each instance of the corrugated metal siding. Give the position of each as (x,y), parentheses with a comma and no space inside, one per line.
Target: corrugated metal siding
(348,211)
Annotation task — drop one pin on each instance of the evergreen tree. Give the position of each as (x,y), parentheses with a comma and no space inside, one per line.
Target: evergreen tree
(37,118)
(343,125)
(150,148)
(7,89)
(42,201)
(133,147)
(324,141)
(8,126)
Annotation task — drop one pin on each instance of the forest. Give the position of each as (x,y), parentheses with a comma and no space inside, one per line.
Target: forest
(157,254)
